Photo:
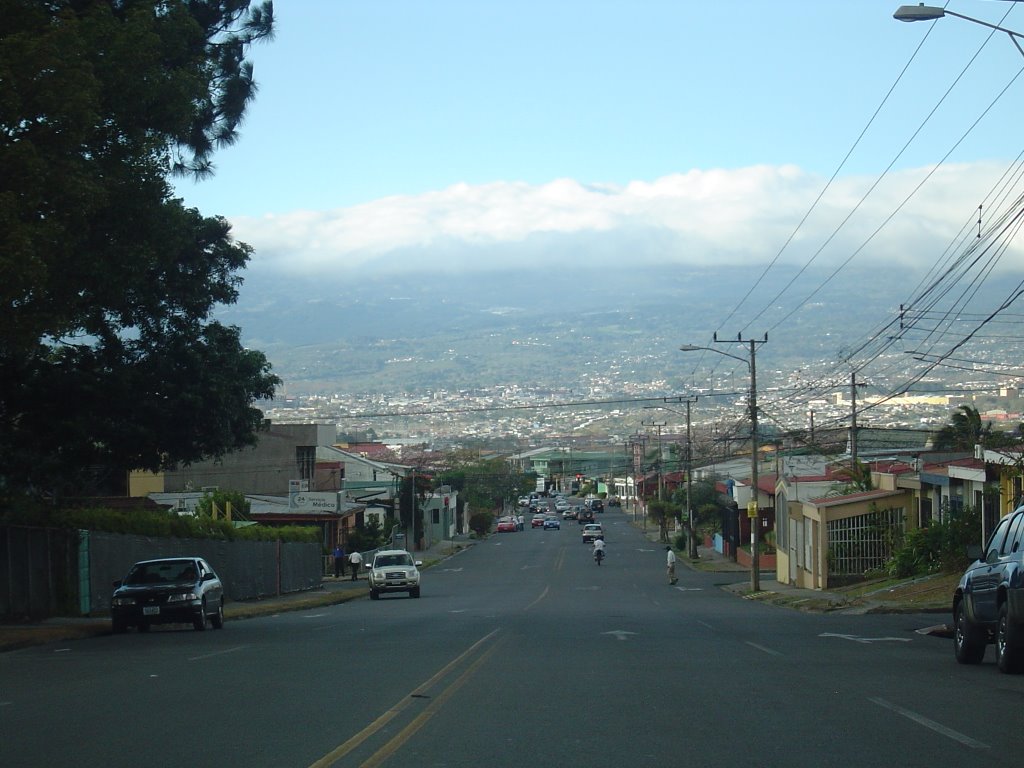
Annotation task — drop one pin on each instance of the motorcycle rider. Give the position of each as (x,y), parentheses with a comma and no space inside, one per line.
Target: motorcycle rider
(598,547)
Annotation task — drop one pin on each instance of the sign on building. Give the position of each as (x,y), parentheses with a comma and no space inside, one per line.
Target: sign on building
(314,502)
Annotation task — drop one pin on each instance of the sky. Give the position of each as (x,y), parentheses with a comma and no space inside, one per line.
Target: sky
(482,134)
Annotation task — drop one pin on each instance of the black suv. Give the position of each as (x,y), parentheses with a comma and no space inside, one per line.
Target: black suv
(988,605)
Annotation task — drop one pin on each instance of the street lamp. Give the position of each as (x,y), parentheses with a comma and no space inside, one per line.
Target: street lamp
(752,507)
(924,12)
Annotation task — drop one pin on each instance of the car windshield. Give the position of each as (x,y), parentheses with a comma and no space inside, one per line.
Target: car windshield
(383,561)
(164,572)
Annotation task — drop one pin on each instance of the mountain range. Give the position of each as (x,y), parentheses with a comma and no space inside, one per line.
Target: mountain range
(417,331)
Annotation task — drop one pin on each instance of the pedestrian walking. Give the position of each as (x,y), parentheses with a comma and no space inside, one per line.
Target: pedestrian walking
(670,561)
(354,561)
(339,561)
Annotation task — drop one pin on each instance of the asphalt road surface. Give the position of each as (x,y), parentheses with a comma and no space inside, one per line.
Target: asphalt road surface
(521,652)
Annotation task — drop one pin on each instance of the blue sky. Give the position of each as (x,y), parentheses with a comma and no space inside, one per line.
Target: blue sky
(410,131)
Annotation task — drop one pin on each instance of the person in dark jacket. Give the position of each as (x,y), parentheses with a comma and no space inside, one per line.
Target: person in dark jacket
(339,561)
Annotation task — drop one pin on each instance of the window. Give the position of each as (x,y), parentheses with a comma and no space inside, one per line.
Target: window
(305,458)
(998,536)
(1012,542)
(860,543)
(925,516)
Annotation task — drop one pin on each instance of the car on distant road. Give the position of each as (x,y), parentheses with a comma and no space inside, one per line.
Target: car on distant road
(173,590)
(561,505)
(507,525)
(524,501)
(592,531)
(584,515)
(551,521)
(988,603)
(393,570)
(537,521)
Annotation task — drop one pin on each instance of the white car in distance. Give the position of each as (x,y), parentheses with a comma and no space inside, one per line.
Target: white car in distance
(394,570)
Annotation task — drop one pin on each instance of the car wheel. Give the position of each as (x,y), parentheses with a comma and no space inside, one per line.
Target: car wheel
(118,626)
(199,622)
(218,617)
(968,641)
(374,594)
(143,626)
(414,592)
(1008,650)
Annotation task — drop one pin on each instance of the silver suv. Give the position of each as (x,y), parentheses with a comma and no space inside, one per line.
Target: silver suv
(394,570)
(988,605)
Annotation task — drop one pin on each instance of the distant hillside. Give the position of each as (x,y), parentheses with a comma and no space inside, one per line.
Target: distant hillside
(443,331)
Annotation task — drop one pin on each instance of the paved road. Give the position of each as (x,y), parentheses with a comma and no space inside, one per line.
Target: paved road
(520,652)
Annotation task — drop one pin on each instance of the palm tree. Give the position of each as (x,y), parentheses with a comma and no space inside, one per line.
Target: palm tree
(964,431)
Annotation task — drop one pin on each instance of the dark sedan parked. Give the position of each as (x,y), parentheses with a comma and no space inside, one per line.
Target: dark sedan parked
(173,590)
(988,604)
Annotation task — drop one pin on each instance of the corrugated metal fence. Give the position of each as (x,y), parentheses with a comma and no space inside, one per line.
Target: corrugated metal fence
(53,572)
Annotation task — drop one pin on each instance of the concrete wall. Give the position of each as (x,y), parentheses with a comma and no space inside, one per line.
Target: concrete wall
(57,572)
(264,469)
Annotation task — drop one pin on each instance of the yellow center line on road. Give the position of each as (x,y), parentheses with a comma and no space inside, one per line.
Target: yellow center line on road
(421,719)
(542,596)
(343,749)
(560,559)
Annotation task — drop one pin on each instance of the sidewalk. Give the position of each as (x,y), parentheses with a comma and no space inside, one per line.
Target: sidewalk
(847,600)
(330,592)
(851,600)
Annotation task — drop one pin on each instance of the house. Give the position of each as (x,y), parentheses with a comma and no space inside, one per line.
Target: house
(292,476)
(441,518)
(830,536)
(283,454)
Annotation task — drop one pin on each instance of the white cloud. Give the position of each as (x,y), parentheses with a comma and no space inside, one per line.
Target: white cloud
(702,217)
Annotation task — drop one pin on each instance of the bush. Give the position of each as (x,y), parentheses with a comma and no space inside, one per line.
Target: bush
(480,523)
(154,522)
(680,542)
(937,547)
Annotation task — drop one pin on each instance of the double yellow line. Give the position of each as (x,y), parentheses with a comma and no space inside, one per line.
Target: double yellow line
(396,742)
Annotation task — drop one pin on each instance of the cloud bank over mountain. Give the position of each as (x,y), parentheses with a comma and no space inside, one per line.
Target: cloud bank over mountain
(739,217)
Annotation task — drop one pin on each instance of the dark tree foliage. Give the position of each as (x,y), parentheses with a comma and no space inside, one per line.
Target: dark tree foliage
(966,429)
(484,483)
(108,353)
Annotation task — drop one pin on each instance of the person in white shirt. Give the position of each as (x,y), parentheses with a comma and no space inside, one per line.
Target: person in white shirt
(671,563)
(354,561)
(598,547)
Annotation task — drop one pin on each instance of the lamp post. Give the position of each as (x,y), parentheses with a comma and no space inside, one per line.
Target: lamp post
(924,12)
(752,507)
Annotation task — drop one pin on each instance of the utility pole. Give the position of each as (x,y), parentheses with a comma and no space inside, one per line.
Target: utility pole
(853,417)
(689,473)
(659,425)
(753,509)
(638,440)
(412,510)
